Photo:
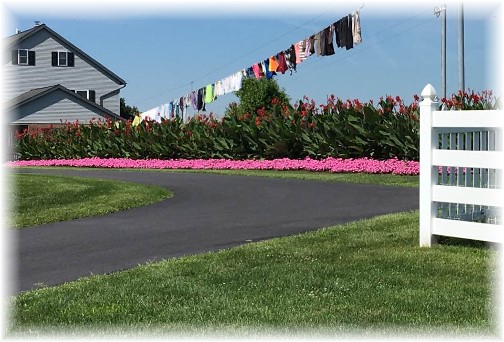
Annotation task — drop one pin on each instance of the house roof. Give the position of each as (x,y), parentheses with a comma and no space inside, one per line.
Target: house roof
(34,94)
(14,40)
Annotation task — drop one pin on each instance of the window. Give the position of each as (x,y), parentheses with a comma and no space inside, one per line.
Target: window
(23,57)
(88,94)
(62,58)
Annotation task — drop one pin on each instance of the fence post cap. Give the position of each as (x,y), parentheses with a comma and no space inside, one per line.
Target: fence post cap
(429,92)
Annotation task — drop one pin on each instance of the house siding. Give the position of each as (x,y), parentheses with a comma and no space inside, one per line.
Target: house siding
(83,76)
(58,106)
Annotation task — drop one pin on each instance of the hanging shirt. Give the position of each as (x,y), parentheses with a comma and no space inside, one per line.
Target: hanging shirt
(282,64)
(356,28)
(209,93)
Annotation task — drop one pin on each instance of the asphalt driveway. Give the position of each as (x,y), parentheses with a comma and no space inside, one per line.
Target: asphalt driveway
(208,212)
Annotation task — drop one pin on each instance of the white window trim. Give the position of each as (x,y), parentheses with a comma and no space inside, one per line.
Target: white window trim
(66,59)
(19,56)
(83,90)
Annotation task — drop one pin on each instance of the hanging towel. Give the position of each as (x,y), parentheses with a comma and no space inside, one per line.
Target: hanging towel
(273,63)
(257,70)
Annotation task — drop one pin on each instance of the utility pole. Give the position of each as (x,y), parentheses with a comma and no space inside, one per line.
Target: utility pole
(437,12)
(461,68)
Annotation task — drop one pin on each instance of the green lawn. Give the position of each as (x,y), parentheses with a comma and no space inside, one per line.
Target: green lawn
(360,277)
(382,179)
(364,275)
(37,199)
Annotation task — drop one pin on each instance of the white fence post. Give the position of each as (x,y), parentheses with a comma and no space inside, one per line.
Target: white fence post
(428,173)
(470,196)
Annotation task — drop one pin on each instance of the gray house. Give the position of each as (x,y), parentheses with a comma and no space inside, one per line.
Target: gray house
(49,80)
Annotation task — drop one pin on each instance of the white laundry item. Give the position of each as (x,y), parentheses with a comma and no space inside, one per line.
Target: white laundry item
(356,28)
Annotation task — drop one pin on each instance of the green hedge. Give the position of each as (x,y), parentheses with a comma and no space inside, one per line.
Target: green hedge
(344,129)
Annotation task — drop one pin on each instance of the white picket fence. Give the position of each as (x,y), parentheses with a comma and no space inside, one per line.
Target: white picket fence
(461,162)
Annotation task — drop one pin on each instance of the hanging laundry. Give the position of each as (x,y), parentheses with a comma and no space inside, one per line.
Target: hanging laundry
(326,41)
(349,33)
(176,103)
(308,45)
(217,90)
(316,41)
(344,36)
(209,93)
(311,43)
(171,109)
(193,101)
(282,64)
(340,33)
(201,99)
(296,50)
(346,32)
(273,63)
(356,28)
(257,70)
(136,120)
(300,51)
(156,113)
(269,74)
(236,81)
(250,72)
(290,58)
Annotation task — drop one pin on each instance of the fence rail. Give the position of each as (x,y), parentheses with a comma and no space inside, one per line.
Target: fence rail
(461,162)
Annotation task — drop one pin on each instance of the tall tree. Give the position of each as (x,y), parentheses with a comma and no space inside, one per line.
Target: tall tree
(258,93)
(127,112)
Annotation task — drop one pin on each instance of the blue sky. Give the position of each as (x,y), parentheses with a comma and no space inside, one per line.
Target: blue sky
(165,50)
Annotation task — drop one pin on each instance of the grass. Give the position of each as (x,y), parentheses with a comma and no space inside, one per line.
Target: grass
(38,199)
(367,178)
(364,276)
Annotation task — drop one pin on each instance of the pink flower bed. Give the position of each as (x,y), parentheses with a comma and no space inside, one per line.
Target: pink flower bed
(363,165)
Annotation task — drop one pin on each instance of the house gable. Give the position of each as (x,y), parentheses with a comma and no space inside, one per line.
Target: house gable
(79,71)
(53,105)
(15,41)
